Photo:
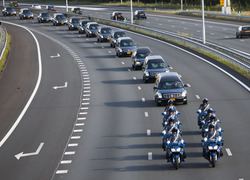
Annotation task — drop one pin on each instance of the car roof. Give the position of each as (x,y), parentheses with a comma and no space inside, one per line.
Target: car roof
(25,9)
(153,57)
(92,23)
(143,49)
(169,76)
(85,20)
(58,14)
(125,38)
(74,18)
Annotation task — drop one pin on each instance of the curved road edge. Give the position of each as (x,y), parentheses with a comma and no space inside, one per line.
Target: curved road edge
(34,91)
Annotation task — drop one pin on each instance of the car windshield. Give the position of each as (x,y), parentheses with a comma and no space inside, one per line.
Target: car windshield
(26,11)
(118,14)
(105,30)
(60,17)
(142,54)
(120,34)
(50,6)
(93,26)
(246,29)
(127,43)
(84,23)
(141,12)
(75,20)
(156,65)
(45,14)
(77,9)
(170,85)
(9,9)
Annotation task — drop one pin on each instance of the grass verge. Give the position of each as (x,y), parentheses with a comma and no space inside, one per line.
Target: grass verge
(5,54)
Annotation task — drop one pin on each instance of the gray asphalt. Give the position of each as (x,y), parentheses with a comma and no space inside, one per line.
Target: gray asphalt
(114,143)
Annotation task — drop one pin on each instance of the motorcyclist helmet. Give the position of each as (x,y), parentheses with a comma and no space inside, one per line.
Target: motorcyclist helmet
(212,117)
(174,130)
(171,109)
(170,102)
(211,126)
(210,110)
(205,100)
(171,119)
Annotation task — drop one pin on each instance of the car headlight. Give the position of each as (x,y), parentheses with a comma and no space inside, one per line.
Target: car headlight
(159,95)
(57,22)
(184,94)
(138,63)
(146,73)
(101,36)
(120,50)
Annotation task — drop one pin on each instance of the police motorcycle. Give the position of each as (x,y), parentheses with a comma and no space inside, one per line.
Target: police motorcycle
(167,115)
(176,153)
(212,150)
(200,118)
(213,121)
(202,112)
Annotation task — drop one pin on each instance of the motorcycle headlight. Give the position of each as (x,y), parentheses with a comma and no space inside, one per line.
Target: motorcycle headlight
(175,150)
(114,41)
(213,148)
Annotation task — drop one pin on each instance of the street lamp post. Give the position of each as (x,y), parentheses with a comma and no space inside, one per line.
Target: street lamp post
(131,9)
(203,25)
(66,6)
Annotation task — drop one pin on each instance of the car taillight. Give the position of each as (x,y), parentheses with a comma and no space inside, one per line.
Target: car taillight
(241,31)
(145,14)
(122,15)
(137,14)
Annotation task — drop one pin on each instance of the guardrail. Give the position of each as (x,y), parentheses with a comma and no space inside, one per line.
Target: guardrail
(242,61)
(3,41)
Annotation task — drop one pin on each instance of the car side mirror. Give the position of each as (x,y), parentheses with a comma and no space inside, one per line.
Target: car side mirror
(155,87)
(185,85)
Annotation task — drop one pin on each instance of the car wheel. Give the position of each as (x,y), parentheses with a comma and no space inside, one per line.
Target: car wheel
(118,54)
(87,35)
(133,65)
(157,103)
(237,36)
(111,45)
(144,80)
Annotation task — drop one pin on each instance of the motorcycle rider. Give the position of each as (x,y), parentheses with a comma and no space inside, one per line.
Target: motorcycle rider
(167,131)
(216,123)
(170,114)
(204,106)
(211,135)
(175,137)
(210,111)
(171,105)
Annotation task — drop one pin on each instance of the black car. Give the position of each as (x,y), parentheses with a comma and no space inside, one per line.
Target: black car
(82,25)
(103,33)
(117,16)
(26,14)
(59,19)
(73,23)
(50,8)
(152,67)
(243,31)
(44,17)
(76,10)
(8,11)
(124,46)
(14,4)
(139,55)
(168,86)
(91,29)
(115,34)
(140,14)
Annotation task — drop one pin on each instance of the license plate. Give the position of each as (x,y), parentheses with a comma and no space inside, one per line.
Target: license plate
(119,15)
(11,13)
(108,38)
(47,20)
(247,31)
(28,16)
(128,52)
(62,23)
(173,99)
(142,14)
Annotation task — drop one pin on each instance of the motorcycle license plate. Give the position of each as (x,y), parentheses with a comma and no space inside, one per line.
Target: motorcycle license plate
(173,99)
(128,52)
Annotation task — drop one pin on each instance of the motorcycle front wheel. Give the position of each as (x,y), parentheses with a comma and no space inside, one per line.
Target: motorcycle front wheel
(176,163)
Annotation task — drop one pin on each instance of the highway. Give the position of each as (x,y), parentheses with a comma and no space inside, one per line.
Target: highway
(95,124)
